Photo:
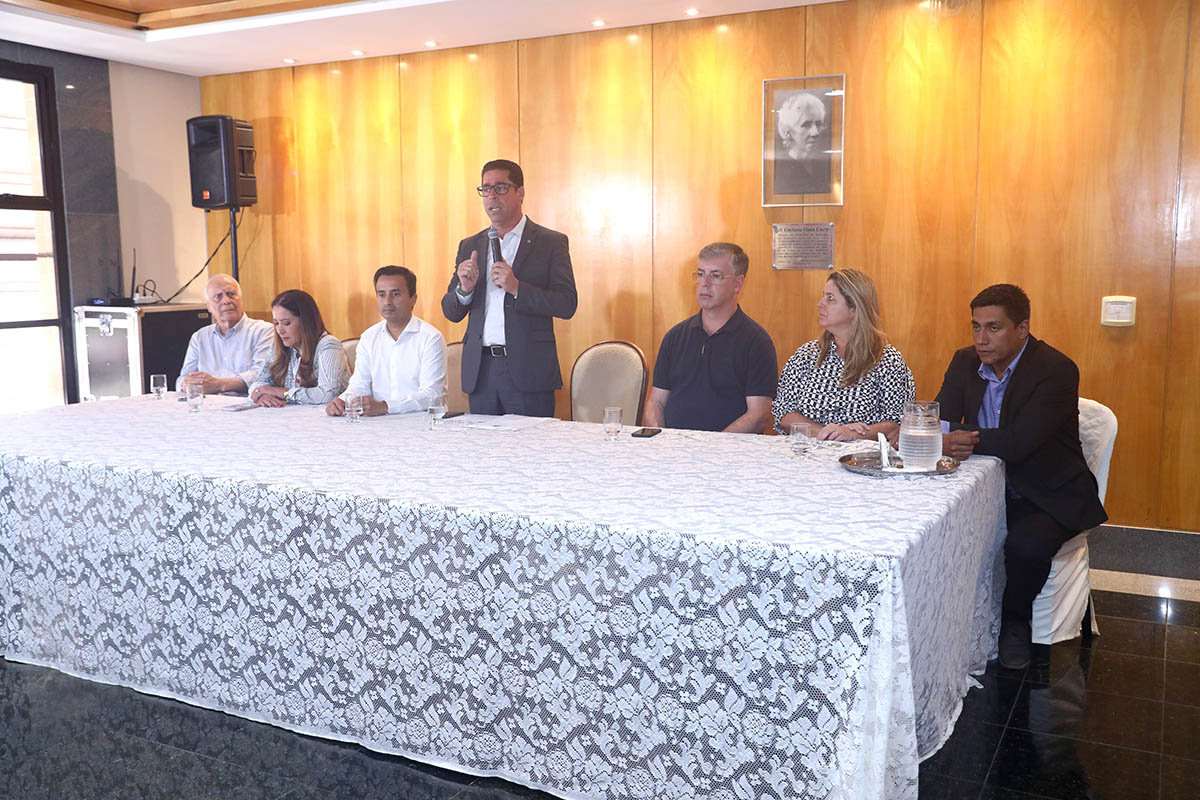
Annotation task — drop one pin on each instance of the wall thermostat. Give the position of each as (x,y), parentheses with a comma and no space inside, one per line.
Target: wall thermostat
(1118,311)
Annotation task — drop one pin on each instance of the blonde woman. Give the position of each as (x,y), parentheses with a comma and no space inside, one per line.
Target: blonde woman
(310,366)
(850,383)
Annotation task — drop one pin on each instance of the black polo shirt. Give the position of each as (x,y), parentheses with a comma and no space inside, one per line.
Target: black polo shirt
(710,377)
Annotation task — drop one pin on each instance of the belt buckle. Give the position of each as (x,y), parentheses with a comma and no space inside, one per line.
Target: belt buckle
(497,350)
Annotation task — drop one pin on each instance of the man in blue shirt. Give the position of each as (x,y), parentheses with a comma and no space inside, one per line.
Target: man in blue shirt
(1017,398)
(715,371)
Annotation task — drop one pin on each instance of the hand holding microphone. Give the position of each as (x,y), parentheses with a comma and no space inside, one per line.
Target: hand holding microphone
(502,274)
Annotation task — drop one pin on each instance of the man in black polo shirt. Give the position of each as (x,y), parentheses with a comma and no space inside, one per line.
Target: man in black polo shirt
(715,371)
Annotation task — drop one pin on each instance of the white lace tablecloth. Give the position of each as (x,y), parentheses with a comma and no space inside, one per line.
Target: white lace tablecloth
(693,615)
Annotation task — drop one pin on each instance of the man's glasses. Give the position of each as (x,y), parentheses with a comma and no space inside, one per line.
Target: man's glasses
(493,188)
(713,277)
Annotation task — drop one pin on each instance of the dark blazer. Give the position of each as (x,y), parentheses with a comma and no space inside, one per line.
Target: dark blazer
(1038,437)
(543,266)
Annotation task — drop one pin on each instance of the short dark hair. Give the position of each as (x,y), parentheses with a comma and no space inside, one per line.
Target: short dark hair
(1011,298)
(391,269)
(739,262)
(515,176)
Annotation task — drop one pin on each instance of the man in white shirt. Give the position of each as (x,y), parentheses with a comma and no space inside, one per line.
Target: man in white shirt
(226,356)
(400,365)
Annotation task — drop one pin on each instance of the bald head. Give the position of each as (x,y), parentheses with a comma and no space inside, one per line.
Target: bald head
(224,297)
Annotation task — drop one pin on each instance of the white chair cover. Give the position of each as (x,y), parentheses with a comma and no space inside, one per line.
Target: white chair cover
(1059,609)
(611,373)
(456,398)
(351,348)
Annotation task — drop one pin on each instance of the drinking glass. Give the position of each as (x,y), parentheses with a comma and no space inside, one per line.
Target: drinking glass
(354,407)
(800,438)
(921,436)
(436,411)
(612,422)
(158,385)
(195,396)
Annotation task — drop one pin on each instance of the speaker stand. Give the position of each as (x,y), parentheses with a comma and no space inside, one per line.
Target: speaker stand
(233,248)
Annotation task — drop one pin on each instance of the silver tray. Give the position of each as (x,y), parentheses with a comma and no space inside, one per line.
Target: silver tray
(867,463)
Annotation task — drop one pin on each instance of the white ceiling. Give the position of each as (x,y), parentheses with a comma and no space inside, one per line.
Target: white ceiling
(377,27)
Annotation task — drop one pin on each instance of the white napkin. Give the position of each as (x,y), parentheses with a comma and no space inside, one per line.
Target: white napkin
(885,461)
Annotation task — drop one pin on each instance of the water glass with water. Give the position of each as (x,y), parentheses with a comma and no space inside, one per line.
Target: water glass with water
(437,410)
(800,438)
(195,396)
(354,407)
(158,385)
(921,436)
(612,422)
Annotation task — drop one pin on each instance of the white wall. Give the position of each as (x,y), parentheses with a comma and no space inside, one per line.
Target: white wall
(150,109)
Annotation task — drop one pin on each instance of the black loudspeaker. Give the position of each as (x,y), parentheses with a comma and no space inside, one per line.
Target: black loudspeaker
(221,159)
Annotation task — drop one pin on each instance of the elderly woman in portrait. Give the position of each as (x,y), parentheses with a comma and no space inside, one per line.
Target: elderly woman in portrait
(850,383)
(310,366)
(801,164)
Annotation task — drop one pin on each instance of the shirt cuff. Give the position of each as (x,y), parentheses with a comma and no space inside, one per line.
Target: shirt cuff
(945,427)
(465,299)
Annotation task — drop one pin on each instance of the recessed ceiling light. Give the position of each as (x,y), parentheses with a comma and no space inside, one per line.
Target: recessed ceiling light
(356,52)
(691,12)
(431,43)
(289,61)
(597,23)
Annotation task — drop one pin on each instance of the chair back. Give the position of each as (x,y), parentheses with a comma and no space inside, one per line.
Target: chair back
(611,373)
(456,398)
(351,348)
(1097,433)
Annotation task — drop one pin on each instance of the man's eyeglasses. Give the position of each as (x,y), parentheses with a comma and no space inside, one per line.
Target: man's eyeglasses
(713,277)
(493,188)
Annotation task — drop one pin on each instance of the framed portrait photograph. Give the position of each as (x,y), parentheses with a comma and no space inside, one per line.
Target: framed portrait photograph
(803,125)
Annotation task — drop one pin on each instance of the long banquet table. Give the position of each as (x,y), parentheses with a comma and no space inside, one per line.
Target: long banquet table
(693,615)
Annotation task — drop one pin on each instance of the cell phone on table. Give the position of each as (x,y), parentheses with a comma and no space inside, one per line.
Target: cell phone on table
(646,433)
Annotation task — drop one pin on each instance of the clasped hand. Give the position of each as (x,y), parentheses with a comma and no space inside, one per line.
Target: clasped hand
(959,444)
(270,396)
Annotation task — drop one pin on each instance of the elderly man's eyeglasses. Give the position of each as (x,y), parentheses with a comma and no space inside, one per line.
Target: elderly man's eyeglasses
(712,277)
(493,188)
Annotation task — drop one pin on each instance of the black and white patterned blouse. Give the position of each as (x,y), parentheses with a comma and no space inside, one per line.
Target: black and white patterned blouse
(818,394)
(330,366)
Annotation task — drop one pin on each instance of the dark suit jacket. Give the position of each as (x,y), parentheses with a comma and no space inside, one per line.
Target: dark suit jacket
(1038,437)
(543,266)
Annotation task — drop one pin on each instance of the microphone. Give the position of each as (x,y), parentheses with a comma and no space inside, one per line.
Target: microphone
(494,238)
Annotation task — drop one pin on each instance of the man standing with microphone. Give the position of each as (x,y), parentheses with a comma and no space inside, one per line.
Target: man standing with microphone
(512,279)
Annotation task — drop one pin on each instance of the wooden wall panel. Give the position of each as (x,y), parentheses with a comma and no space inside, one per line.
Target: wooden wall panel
(268,245)
(708,78)
(1180,500)
(1077,172)
(912,101)
(458,111)
(349,185)
(586,151)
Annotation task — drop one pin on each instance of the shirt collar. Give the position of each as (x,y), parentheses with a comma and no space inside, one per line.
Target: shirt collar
(519,230)
(733,324)
(237,327)
(413,326)
(989,374)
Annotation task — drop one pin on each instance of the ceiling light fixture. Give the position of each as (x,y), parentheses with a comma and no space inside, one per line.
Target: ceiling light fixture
(289,61)
(691,12)
(357,52)
(431,43)
(597,23)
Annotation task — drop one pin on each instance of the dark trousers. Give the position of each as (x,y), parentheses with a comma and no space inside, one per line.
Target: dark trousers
(1033,539)
(495,392)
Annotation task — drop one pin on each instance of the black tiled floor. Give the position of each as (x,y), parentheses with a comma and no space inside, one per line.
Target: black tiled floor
(1117,717)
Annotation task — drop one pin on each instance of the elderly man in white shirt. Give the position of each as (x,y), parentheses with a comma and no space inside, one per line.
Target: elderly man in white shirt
(400,364)
(226,356)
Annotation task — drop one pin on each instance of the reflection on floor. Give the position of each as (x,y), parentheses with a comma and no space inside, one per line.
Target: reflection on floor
(1117,719)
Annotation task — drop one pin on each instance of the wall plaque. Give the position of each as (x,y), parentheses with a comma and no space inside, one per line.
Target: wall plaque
(802,245)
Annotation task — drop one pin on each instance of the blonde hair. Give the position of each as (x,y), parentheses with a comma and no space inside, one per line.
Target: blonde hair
(866,342)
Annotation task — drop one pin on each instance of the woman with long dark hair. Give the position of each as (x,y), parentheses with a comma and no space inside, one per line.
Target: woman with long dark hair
(849,383)
(310,366)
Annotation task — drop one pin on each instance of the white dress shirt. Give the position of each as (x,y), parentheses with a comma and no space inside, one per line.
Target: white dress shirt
(329,364)
(408,372)
(240,353)
(493,320)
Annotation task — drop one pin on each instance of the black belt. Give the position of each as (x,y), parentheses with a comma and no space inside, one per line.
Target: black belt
(495,350)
